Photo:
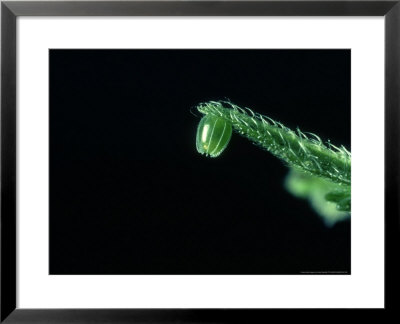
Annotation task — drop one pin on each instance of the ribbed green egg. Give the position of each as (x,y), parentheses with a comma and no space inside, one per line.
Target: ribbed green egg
(213,135)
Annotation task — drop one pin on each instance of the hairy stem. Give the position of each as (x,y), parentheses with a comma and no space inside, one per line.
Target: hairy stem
(299,151)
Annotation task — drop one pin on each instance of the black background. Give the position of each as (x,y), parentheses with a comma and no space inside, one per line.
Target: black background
(129,194)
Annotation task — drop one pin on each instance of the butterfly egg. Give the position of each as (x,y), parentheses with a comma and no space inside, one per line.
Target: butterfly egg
(213,135)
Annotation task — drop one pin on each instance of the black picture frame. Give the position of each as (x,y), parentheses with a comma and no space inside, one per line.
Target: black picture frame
(10,10)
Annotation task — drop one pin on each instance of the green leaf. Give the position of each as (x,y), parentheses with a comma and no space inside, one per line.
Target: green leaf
(320,171)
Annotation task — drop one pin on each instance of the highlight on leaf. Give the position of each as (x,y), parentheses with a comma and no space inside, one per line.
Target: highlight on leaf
(307,156)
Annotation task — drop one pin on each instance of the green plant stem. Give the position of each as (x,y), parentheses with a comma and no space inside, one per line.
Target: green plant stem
(299,151)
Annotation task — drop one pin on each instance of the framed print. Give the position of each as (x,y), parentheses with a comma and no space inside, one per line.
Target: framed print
(190,161)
